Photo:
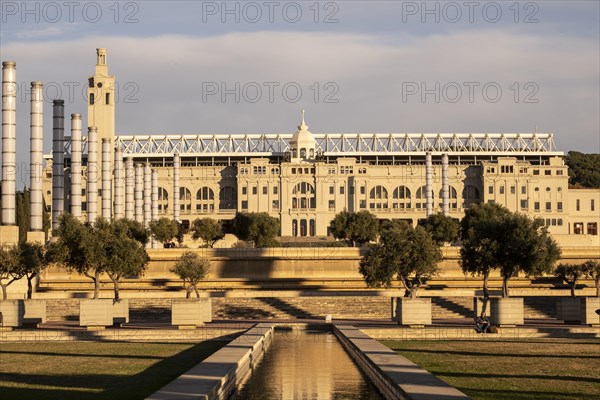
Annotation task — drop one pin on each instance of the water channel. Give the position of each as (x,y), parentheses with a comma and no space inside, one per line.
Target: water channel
(306,364)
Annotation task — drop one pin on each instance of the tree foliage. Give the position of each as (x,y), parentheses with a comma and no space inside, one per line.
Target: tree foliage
(443,229)
(191,268)
(208,230)
(115,248)
(33,259)
(584,169)
(404,253)
(259,228)
(570,274)
(163,229)
(592,271)
(495,238)
(9,267)
(356,228)
(133,229)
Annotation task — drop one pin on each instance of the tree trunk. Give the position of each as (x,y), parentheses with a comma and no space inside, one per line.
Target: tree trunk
(115,281)
(4,291)
(29,287)
(196,290)
(572,286)
(486,291)
(598,288)
(505,280)
(188,292)
(96,285)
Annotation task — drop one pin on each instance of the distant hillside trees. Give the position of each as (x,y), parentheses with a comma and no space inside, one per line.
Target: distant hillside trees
(584,169)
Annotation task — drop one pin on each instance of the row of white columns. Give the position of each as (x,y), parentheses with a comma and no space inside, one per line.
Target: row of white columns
(429,185)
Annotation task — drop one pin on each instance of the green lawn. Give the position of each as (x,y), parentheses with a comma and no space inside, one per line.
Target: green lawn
(94,370)
(505,369)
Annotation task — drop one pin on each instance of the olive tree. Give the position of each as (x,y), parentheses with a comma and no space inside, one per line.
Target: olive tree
(570,274)
(163,229)
(443,229)
(191,268)
(592,271)
(208,230)
(356,228)
(33,259)
(9,267)
(404,253)
(259,228)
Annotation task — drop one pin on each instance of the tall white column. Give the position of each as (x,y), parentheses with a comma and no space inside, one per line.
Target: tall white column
(58,161)
(129,189)
(445,185)
(106,181)
(92,175)
(36,156)
(147,194)
(76,165)
(119,184)
(428,185)
(9,136)
(176,165)
(139,193)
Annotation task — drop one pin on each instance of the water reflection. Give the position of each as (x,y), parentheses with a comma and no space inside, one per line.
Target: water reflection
(305,364)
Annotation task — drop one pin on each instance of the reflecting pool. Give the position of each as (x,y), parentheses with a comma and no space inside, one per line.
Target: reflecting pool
(306,364)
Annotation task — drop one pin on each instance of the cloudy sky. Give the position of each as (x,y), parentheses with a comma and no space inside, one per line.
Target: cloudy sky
(194,67)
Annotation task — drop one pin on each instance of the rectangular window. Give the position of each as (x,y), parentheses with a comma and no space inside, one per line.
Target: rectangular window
(362,190)
(559,172)
(513,190)
(548,172)
(363,204)
(331,190)
(536,206)
(275,205)
(548,206)
(592,205)
(578,228)
(491,190)
(524,204)
(560,222)
(592,228)
(244,204)
(275,189)
(265,190)
(342,190)
(523,189)
(536,171)
(107,98)
(254,190)
(244,190)
(501,189)
(559,206)
(577,205)
(331,205)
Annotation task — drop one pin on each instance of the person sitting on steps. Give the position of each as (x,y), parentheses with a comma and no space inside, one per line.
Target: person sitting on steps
(482,323)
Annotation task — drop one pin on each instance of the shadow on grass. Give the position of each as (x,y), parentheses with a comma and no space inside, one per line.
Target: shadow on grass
(117,386)
(504,394)
(488,354)
(508,376)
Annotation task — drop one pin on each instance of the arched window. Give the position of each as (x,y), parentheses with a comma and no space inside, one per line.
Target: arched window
(303,228)
(185,199)
(312,229)
(205,200)
(452,197)
(378,198)
(227,198)
(421,197)
(303,196)
(471,195)
(163,200)
(401,197)
(294,227)
(302,153)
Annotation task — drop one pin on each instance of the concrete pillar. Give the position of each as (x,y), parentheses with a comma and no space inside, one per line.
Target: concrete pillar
(129,189)
(428,185)
(147,194)
(445,186)
(176,165)
(36,156)
(119,184)
(9,132)
(139,193)
(106,181)
(58,161)
(92,175)
(76,165)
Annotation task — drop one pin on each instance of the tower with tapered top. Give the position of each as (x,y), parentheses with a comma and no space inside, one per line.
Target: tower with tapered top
(101,100)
